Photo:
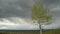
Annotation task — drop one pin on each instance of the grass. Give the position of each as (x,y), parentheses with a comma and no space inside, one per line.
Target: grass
(54,31)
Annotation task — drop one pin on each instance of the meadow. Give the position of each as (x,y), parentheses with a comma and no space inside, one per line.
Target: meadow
(53,31)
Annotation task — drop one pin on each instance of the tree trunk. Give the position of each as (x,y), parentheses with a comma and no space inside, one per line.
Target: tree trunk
(40,29)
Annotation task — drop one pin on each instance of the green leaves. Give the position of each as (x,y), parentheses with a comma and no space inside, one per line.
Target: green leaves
(39,13)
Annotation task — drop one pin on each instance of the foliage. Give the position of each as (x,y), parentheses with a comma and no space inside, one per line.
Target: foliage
(40,13)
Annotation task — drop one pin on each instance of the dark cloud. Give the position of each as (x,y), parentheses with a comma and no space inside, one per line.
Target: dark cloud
(22,8)
(18,8)
(49,1)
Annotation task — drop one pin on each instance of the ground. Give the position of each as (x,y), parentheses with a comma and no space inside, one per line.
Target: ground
(55,31)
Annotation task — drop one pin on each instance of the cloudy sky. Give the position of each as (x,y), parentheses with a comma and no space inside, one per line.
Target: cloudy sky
(16,14)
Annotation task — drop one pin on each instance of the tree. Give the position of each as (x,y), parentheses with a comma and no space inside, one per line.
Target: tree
(40,14)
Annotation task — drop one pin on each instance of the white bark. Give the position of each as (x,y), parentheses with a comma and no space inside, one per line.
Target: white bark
(40,29)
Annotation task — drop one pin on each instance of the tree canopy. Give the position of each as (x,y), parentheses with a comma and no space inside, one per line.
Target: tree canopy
(40,13)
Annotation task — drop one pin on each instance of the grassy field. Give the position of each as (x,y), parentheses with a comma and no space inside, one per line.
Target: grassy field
(56,31)
(20,32)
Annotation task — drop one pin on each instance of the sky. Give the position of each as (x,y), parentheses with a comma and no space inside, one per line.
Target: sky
(16,14)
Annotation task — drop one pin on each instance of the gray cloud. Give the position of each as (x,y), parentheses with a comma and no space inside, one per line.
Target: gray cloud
(15,8)
(12,8)
(50,3)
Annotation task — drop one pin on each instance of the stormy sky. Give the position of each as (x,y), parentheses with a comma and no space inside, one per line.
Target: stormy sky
(16,14)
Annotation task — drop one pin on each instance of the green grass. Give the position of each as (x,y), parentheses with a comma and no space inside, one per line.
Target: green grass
(55,31)
(21,32)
